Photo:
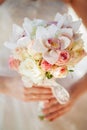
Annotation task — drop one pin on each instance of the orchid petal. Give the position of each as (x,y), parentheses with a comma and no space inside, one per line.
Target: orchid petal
(39,47)
(58,17)
(39,22)
(42,33)
(23,42)
(67,19)
(51,57)
(27,25)
(16,33)
(52,29)
(65,42)
(60,20)
(67,32)
(10,45)
(75,25)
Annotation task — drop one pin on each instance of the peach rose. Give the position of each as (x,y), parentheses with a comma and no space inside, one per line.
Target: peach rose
(60,72)
(14,63)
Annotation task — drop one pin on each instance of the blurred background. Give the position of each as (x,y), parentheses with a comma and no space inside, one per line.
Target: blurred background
(14,11)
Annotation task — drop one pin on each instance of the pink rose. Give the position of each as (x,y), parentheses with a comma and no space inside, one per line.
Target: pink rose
(45,65)
(64,57)
(14,63)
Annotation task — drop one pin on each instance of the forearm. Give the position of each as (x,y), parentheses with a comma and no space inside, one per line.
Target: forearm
(3,85)
(79,88)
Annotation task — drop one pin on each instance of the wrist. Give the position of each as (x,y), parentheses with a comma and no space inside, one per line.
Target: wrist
(3,85)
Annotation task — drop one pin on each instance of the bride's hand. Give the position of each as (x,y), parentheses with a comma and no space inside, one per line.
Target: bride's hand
(14,87)
(53,109)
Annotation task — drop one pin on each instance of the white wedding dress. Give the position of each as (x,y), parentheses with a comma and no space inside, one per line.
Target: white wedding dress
(17,115)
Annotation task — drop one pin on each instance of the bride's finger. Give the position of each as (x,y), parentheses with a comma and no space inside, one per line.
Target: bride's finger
(50,102)
(61,111)
(55,115)
(37,90)
(52,109)
(36,97)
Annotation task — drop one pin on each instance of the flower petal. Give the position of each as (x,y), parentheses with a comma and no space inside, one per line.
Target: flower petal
(67,32)
(65,42)
(52,29)
(42,33)
(10,45)
(51,57)
(23,42)
(39,22)
(39,46)
(30,69)
(58,17)
(75,25)
(27,25)
(60,20)
(16,33)
(67,20)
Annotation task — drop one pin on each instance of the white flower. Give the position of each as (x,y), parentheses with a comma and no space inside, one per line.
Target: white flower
(51,57)
(46,32)
(67,32)
(27,25)
(65,42)
(23,42)
(39,46)
(16,33)
(66,21)
(30,26)
(18,39)
(52,30)
(42,33)
(39,22)
(30,69)
(59,18)
(75,25)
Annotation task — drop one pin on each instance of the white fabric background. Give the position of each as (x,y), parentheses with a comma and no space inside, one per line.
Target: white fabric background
(16,115)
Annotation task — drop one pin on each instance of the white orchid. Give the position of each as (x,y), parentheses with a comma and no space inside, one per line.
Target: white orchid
(18,38)
(30,26)
(46,32)
(39,46)
(66,21)
(51,57)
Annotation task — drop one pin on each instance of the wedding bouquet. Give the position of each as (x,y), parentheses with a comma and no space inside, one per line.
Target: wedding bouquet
(43,51)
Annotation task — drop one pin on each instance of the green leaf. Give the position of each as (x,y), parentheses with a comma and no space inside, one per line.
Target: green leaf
(41,117)
(71,70)
(48,75)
